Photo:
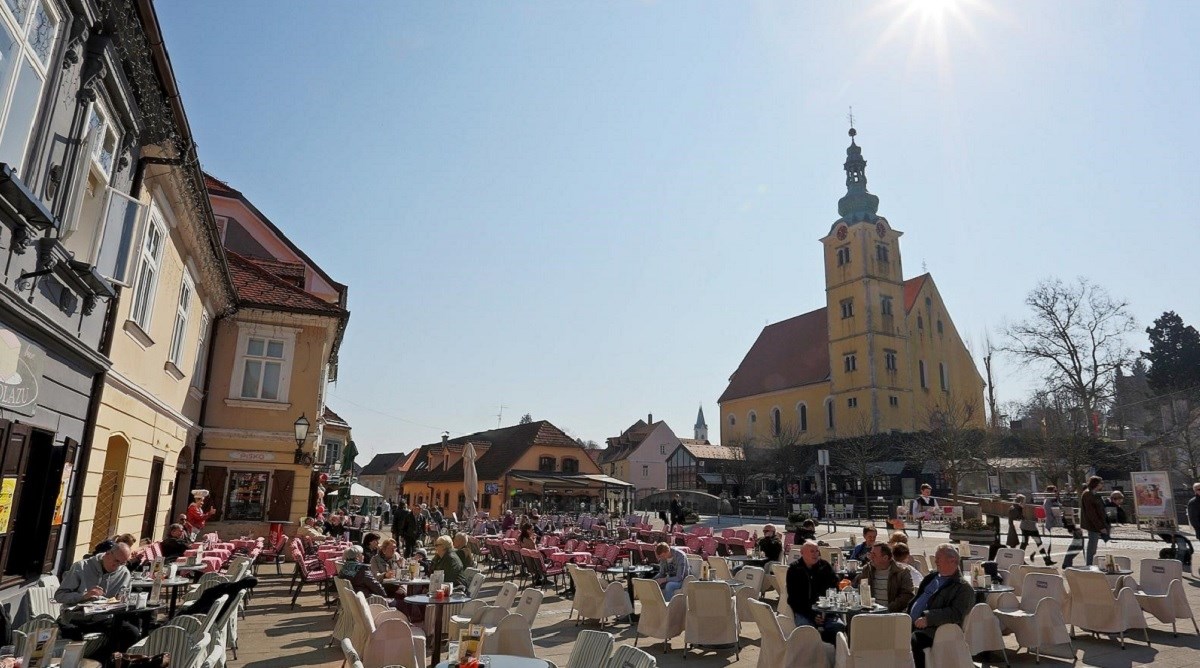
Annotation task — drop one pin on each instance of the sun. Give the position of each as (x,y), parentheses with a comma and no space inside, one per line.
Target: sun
(935,9)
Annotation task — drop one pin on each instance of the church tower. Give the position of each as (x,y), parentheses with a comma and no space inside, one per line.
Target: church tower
(864,290)
(701,427)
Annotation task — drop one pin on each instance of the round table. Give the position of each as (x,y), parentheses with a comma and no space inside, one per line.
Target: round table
(849,613)
(981,593)
(631,572)
(438,605)
(503,661)
(171,584)
(747,560)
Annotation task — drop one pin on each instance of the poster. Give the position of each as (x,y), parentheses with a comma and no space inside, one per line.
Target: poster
(1152,494)
(8,487)
(62,493)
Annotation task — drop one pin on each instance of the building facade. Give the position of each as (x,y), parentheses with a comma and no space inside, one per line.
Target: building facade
(639,455)
(881,355)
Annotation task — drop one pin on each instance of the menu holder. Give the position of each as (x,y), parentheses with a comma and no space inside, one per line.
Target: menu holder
(72,655)
(470,641)
(39,648)
(436,579)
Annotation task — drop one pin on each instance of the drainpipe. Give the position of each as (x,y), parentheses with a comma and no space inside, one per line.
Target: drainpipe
(208,364)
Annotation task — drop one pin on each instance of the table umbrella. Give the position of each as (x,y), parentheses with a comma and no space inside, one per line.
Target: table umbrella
(470,482)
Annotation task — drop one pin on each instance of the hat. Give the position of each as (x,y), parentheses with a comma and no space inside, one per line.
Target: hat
(200,493)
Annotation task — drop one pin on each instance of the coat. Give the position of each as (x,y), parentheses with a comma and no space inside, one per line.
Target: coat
(1091,511)
(452,566)
(899,587)
(948,605)
(1193,513)
(1053,508)
(805,585)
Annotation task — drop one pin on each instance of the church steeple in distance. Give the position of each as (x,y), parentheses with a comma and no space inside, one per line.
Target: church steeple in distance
(701,427)
(857,205)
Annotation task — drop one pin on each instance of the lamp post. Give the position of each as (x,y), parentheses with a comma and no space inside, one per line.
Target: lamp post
(301,426)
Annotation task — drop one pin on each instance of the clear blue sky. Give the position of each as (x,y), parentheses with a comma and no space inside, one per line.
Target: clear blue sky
(588,211)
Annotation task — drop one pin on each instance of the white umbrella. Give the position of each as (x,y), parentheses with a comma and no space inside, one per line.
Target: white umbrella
(470,481)
(359,491)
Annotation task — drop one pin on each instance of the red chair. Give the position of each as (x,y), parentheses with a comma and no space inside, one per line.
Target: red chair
(306,572)
(273,554)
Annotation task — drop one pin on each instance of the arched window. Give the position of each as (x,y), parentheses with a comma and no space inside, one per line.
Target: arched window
(939,326)
(732,420)
(802,411)
(829,413)
(920,322)
(776,423)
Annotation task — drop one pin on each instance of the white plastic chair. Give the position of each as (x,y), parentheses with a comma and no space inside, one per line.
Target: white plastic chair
(982,631)
(591,648)
(877,641)
(782,608)
(391,644)
(1161,594)
(1037,620)
(628,656)
(753,577)
(507,595)
(530,603)
(800,646)
(512,637)
(594,600)
(720,568)
(1096,608)
(659,619)
(949,649)
(712,617)
(1007,557)
(1016,575)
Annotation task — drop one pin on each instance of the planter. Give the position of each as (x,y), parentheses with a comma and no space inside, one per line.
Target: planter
(974,536)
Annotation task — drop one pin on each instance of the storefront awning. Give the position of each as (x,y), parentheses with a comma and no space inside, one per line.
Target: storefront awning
(607,480)
(716,479)
(360,491)
(581,480)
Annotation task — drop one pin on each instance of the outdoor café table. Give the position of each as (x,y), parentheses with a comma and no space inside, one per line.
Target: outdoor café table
(92,617)
(1113,576)
(848,612)
(172,584)
(564,557)
(631,572)
(502,661)
(746,560)
(438,604)
(393,585)
(981,593)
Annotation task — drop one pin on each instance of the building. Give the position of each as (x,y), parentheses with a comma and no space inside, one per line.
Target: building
(271,362)
(377,475)
(639,455)
(335,436)
(699,465)
(881,355)
(526,464)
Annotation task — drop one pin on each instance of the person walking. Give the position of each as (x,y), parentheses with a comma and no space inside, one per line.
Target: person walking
(1193,509)
(1052,507)
(1029,529)
(1091,512)
(404,527)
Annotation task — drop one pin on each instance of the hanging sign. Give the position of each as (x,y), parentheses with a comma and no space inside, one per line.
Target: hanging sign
(20,371)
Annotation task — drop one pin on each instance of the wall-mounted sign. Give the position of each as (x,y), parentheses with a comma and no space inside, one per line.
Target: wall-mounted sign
(20,372)
(491,488)
(248,456)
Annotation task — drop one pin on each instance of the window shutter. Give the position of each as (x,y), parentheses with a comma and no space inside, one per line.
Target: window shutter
(280,508)
(70,448)
(214,482)
(122,215)
(16,448)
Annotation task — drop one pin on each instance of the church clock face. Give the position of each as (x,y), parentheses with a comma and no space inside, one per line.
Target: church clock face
(880,229)
(842,232)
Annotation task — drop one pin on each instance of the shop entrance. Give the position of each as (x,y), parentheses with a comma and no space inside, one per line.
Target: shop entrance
(108,497)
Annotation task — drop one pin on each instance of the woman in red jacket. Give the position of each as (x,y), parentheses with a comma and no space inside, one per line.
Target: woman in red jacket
(196,515)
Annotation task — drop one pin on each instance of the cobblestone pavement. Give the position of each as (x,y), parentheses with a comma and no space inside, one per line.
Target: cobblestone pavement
(274,635)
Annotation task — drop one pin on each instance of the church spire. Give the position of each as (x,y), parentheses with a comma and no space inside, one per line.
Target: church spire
(701,428)
(858,204)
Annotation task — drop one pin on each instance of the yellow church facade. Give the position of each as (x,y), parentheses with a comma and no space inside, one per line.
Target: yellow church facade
(882,355)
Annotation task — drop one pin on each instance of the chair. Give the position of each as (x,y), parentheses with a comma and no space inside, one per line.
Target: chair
(350,655)
(720,568)
(466,614)
(344,619)
(168,639)
(1007,557)
(949,649)
(512,637)
(876,641)
(780,573)
(594,600)
(1095,607)
(220,626)
(1037,621)
(231,632)
(391,644)
(696,564)
(21,635)
(305,573)
(1016,575)
(753,577)
(799,647)
(530,603)
(39,602)
(659,619)
(712,617)
(591,649)
(982,631)
(628,656)
(274,554)
(1160,592)
(832,554)
(507,595)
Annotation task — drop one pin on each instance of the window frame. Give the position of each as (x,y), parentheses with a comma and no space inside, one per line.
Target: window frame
(547,464)
(246,331)
(850,362)
(921,374)
(889,359)
(843,255)
(182,315)
(829,413)
(885,305)
(943,377)
(200,366)
(24,52)
(882,254)
(802,413)
(851,402)
(776,421)
(847,308)
(143,303)
(264,499)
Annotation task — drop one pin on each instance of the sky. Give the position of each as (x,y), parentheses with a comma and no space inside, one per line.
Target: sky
(588,211)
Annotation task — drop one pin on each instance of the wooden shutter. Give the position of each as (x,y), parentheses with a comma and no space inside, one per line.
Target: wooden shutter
(61,503)
(150,518)
(214,482)
(12,468)
(280,507)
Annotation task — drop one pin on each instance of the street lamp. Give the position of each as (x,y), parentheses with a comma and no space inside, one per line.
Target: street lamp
(301,426)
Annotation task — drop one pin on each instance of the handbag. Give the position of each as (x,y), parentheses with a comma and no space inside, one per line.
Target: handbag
(1012,536)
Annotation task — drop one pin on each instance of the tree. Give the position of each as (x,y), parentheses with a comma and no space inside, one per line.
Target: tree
(1059,443)
(953,443)
(859,455)
(525,419)
(785,456)
(1174,356)
(1076,335)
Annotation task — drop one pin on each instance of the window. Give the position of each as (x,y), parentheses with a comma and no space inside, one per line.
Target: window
(546,464)
(570,465)
(881,253)
(939,327)
(843,256)
(201,364)
(320,455)
(753,418)
(148,270)
(247,495)
(28,31)
(847,308)
(263,368)
(662,449)
(802,409)
(181,320)
(852,402)
(885,305)
(921,373)
(776,423)
(942,376)
(333,453)
(889,360)
(850,362)
(920,322)
(732,420)
(645,471)
(103,139)
(829,413)
(893,401)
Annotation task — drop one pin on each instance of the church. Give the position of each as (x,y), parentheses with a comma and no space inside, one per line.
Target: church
(881,355)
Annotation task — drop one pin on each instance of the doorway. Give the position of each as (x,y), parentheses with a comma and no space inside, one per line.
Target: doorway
(108,497)
(153,492)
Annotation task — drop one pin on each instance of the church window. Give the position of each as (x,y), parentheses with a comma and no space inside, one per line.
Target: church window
(753,418)
(920,322)
(939,326)
(852,402)
(843,256)
(881,253)
(893,401)
(942,376)
(886,305)
(847,308)
(928,301)
(889,360)
(829,413)
(732,420)
(802,409)
(921,373)
(776,423)
(850,362)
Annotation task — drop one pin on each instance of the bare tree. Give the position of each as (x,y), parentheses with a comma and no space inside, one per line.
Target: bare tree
(859,455)
(954,441)
(740,466)
(786,455)
(1059,443)
(1076,335)
(993,406)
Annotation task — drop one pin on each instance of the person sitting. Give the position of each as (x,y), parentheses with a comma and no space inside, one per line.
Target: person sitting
(309,532)
(862,551)
(808,578)
(807,531)
(942,598)
(898,537)
(386,563)
(902,556)
(891,584)
(99,577)
(446,561)
(769,544)
(370,546)
(672,569)
(359,574)
(175,543)
(508,522)
(527,540)
(463,550)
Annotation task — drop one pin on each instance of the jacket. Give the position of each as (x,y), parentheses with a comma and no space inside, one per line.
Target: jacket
(452,566)
(1091,511)
(1053,508)
(899,588)
(771,547)
(361,578)
(88,573)
(404,523)
(1193,512)
(674,567)
(948,605)
(805,585)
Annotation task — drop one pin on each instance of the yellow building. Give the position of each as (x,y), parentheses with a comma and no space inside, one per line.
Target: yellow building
(881,355)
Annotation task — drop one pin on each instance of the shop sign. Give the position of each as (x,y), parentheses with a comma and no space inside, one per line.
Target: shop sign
(20,371)
(491,488)
(247,456)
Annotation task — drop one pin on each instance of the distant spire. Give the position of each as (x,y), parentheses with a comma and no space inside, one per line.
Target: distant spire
(700,418)
(701,431)
(858,204)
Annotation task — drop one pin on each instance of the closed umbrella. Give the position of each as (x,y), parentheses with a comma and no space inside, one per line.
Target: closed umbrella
(470,482)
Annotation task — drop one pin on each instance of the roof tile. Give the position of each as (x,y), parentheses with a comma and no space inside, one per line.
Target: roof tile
(787,354)
(256,286)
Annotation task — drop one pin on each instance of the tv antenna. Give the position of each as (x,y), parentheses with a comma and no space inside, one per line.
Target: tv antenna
(500,416)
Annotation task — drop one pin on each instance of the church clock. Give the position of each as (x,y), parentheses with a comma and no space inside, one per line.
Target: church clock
(842,232)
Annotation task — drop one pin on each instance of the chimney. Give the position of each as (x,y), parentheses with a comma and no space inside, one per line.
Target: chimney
(650,418)
(445,437)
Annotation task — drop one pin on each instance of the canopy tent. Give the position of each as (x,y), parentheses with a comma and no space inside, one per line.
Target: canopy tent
(574,484)
(359,491)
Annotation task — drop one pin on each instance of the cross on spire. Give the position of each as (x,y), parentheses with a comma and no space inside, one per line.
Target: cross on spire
(850,119)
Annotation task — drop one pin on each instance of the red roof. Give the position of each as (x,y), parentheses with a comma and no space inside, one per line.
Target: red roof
(330,416)
(912,288)
(257,287)
(787,354)
(219,187)
(292,272)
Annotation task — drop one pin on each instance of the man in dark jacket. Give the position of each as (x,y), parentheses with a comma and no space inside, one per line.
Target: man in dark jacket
(943,598)
(1091,517)
(676,511)
(808,578)
(404,527)
(1193,509)
(359,574)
